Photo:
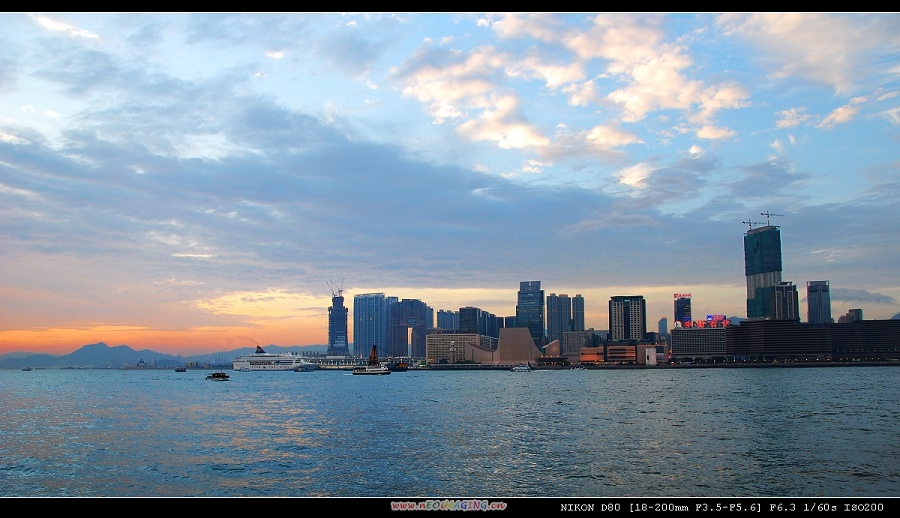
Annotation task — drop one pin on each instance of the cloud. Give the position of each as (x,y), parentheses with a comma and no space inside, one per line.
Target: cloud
(843,114)
(791,117)
(857,295)
(53,25)
(842,51)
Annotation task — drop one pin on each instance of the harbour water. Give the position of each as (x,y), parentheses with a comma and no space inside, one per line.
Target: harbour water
(760,432)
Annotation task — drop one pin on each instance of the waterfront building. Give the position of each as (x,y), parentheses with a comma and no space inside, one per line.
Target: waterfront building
(530,310)
(818,302)
(447,320)
(337,326)
(664,327)
(682,308)
(852,315)
(698,342)
(762,267)
(578,313)
(371,324)
(784,304)
(409,325)
(512,347)
(559,315)
(627,318)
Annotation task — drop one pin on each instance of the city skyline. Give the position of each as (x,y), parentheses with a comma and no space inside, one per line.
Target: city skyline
(193,182)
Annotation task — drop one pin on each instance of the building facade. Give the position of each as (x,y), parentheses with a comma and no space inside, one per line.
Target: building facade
(682,308)
(578,313)
(371,324)
(409,325)
(627,318)
(530,310)
(337,326)
(785,302)
(818,303)
(762,267)
(559,315)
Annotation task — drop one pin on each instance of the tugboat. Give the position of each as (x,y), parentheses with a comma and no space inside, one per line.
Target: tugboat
(374,366)
(218,376)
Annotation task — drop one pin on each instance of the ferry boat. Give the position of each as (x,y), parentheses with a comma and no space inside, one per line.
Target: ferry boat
(263,361)
(218,376)
(374,366)
(523,367)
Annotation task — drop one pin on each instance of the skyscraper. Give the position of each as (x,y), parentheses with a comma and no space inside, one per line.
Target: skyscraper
(762,266)
(682,308)
(337,326)
(530,310)
(818,300)
(409,325)
(559,316)
(370,324)
(627,318)
(578,313)
(784,302)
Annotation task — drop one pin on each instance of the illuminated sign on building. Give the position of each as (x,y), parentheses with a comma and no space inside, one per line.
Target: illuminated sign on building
(707,323)
(682,295)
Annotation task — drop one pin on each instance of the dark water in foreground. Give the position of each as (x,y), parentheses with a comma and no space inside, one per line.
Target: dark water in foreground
(798,432)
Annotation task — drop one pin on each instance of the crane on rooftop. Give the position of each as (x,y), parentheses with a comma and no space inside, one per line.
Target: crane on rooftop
(336,291)
(768,215)
(751,223)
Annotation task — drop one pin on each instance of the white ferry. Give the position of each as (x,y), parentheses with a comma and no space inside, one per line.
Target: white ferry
(263,361)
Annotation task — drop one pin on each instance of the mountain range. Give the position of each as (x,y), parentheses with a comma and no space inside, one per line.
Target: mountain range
(102,356)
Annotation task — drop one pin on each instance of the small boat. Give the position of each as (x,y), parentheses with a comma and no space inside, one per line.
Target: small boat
(180,369)
(374,366)
(218,376)
(27,369)
(397,366)
(522,367)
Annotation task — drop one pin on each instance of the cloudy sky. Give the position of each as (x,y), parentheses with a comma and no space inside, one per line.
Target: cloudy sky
(199,182)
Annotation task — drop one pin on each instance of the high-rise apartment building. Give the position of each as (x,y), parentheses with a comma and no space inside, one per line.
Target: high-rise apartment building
(818,301)
(627,318)
(578,313)
(448,320)
(337,326)
(410,320)
(762,266)
(530,310)
(559,316)
(370,324)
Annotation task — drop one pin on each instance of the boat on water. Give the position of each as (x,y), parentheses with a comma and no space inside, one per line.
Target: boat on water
(263,361)
(218,376)
(522,367)
(27,369)
(180,369)
(397,365)
(374,366)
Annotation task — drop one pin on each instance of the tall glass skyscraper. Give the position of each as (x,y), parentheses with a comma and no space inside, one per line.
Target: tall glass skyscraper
(371,324)
(578,313)
(530,310)
(762,266)
(818,299)
(682,309)
(559,316)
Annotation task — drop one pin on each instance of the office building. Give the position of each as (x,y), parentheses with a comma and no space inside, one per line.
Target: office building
(578,313)
(370,324)
(627,318)
(682,309)
(530,310)
(818,303)
(664,327)
(762,267)
(559,316)
(784,304)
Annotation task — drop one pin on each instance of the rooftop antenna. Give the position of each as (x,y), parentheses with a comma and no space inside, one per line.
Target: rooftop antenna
(768,215)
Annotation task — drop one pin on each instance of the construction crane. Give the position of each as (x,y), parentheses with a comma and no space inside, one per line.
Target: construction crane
(768,215)
(751,223)
(336,291)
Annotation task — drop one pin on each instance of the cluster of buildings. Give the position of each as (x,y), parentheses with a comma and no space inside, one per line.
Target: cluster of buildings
(551,329)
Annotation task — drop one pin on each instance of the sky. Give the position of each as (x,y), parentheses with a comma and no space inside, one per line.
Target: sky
(198,182)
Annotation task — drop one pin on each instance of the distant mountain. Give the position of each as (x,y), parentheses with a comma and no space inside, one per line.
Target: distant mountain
(102,356)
